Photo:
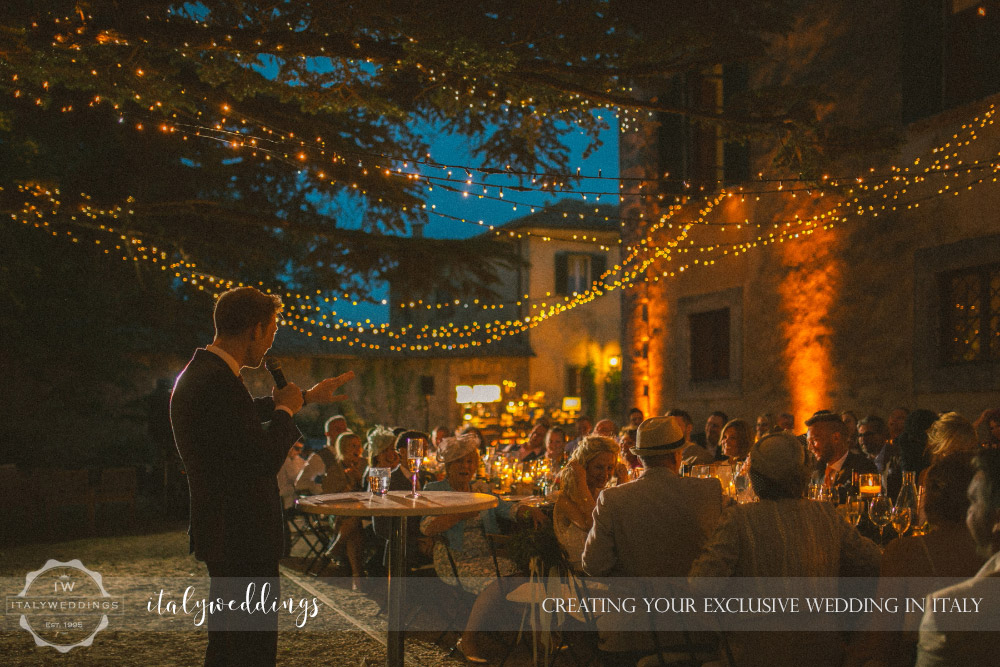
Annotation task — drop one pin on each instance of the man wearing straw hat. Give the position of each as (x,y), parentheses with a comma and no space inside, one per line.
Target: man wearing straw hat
(687,510)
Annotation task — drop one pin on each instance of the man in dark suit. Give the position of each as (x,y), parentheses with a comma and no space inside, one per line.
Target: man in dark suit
(827,438)
(232,446)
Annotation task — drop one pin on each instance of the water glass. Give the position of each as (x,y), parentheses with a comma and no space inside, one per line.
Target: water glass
(378,481)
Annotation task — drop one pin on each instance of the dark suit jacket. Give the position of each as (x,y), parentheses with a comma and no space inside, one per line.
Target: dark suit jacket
(854,462)
(232,446)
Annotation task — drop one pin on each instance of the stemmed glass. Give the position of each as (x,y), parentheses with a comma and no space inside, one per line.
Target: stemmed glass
(855,507)
(880,512)
(901,518)
(415,448)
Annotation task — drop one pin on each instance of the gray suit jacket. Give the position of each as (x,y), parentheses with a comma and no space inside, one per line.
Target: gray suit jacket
(653,527)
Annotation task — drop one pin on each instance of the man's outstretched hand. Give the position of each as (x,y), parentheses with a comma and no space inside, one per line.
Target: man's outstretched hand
(323,391)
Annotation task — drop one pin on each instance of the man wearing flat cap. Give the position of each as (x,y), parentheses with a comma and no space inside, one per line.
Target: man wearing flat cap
(655,526)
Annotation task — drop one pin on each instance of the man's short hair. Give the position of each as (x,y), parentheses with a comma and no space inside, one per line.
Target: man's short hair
(683,414)
(242,308)
(876,424)
(633,411)
(826,417)
(988,462)
(720,413)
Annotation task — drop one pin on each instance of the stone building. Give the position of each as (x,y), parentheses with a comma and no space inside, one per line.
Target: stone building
(564,249)
(874,286)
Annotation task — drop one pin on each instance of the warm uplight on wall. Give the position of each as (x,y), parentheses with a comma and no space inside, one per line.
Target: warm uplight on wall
(571,404)
(480,393)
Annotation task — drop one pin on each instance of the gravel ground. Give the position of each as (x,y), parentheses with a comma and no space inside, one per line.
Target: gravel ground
(348,631)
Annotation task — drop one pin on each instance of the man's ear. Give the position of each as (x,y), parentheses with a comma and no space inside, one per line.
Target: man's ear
(995,530)
(257,331)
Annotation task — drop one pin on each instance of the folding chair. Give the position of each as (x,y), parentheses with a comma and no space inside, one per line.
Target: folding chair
(320,528)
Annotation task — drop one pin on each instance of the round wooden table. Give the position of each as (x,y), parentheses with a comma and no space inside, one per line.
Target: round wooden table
(396,506)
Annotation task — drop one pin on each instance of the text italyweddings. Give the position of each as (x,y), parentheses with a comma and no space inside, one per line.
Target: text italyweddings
(756,605)
(62,605)
(253,603)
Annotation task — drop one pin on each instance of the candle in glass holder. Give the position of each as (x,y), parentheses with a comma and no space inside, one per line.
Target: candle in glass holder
(869,484)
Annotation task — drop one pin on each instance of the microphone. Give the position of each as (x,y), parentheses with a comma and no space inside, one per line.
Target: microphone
(273,366)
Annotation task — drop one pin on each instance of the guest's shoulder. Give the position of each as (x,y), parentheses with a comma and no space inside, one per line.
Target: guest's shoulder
(443,485)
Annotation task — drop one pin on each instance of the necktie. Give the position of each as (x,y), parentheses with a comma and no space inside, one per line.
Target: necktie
(831,476)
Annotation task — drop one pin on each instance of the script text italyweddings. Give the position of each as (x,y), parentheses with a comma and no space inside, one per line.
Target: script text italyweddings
(304,609)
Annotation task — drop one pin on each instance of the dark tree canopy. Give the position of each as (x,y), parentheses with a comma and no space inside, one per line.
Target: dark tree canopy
(264,126)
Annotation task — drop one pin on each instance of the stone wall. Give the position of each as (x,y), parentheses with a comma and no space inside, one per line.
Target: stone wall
(843,317)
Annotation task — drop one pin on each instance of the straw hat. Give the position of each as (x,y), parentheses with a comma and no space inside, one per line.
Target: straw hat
(658,436)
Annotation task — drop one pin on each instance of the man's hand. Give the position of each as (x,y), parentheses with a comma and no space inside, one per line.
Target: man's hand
(322,392)
(289,396)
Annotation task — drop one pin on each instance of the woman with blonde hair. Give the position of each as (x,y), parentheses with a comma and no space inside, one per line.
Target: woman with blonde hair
(950,434)
(346,475)
(589,470)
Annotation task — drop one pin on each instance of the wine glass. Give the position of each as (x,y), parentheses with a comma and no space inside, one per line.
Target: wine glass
(415,448)
(901,517)
(880,512)
(855,507)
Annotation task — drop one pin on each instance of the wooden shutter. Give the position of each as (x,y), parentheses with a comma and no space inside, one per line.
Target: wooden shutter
(562,273)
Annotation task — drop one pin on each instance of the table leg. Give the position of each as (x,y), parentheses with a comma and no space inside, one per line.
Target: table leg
(394,601)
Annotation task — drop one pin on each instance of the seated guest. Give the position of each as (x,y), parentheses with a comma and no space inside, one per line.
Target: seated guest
(289,472)
(765,425)
(736,441)
(851,420)
(947,550)
(534,448)
(463,545)
(382,453)
(686,510)
(786,422)
(873,434)
(784,535)
(897,421)
(584,425)
(912,440)
(346,474)
(469,429)
(310,480)
(626,441)
(402,477)
(605,428)
(439,434)
(694,451)
(950,434)
(713,432)
(654,526)
(940,645)
(827,438)
(988,424)
(555,447)
(381,450)
(589,470)
(635,417)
